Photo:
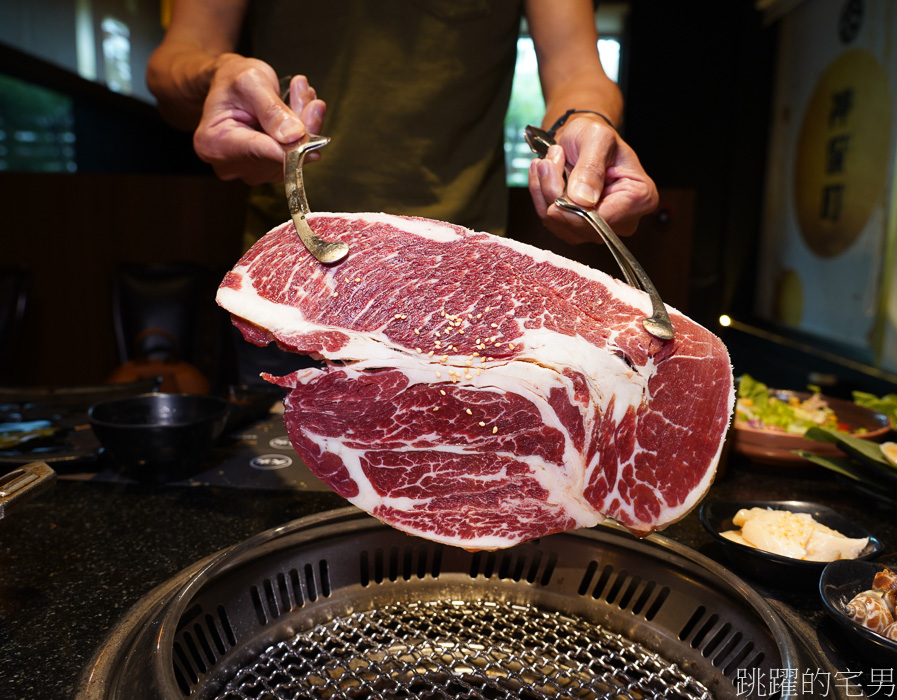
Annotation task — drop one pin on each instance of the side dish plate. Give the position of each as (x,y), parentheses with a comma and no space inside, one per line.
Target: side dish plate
(774,570)
(778,448)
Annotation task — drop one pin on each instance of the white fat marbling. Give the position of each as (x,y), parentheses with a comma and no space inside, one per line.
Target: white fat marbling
(425,228)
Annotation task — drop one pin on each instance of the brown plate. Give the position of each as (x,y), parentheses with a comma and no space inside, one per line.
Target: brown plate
(774,447)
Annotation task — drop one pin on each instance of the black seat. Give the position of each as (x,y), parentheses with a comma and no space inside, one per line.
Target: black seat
(168,311)
(15,284)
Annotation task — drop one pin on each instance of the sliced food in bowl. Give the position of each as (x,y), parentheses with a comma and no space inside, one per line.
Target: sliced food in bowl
(795,535)
(719,516)
(889,450)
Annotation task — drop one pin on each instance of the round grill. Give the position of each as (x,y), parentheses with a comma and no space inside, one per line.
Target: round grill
(461,649)
(339,605)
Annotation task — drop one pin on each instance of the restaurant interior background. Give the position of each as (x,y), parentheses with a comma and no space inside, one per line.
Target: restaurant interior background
(776,210)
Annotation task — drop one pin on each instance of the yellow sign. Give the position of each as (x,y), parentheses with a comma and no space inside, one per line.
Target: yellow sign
(843,152)
(789,299)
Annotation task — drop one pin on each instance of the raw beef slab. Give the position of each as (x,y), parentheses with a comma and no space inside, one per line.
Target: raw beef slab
(478,391)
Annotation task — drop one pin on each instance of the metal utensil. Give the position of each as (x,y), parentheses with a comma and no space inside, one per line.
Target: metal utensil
(658,323)
(325,252)
(23,483)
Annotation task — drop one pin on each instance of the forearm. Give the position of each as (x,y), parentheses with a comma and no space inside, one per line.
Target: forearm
(200,37)
(586,92)
(179,76)
(570,70)
(592,166)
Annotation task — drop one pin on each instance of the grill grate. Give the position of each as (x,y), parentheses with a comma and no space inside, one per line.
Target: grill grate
(460,649)
(338,605)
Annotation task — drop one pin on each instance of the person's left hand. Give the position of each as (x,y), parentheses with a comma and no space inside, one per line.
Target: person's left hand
(606,172)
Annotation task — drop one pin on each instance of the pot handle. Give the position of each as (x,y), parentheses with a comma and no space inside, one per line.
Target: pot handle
(23,483)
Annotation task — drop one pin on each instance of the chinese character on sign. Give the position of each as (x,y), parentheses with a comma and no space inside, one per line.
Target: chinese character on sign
(836,154)
(842,103)
(783,680)
(750,682)
(832,200)
(848,681)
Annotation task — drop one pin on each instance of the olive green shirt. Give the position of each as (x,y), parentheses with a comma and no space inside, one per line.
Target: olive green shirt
(416,94)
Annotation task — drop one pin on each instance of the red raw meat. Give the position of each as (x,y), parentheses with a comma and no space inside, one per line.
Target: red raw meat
(478,391)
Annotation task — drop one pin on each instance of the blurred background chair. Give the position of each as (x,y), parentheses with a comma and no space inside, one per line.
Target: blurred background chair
(15,285)
(166,313)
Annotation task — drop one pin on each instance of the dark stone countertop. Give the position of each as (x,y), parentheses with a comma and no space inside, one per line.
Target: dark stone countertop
(74,559)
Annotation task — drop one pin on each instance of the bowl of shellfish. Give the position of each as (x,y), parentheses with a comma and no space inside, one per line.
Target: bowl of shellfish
(861,597)
(785,544)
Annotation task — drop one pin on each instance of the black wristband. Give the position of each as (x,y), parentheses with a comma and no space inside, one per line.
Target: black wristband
(566,115)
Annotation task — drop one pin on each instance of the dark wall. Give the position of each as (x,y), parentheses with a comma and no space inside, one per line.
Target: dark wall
(698,81)
(72,232)
(140,195)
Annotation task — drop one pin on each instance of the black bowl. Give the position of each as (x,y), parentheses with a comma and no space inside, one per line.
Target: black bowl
(159,436)
(250,404)
(774,570)
(840,582)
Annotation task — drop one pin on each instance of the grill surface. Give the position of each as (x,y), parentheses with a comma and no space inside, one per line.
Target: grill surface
(461,649)
(339,605)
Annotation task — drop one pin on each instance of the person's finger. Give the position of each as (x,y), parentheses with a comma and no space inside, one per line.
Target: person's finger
(535,187)
(587,179)
(570,227)
(546,179)
(304,102)
(312,116)
(259,92)
(301,93)
(235,150)
(629,193)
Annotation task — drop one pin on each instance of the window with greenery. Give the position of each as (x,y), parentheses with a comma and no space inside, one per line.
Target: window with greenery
(36,129)
(527,105)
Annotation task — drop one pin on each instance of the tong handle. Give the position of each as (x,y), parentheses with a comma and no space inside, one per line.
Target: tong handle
(324,251)
(658,323)
(24,483)
(292,171)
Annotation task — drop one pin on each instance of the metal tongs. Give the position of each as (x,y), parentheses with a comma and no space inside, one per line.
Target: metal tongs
(658,324)
(326,252)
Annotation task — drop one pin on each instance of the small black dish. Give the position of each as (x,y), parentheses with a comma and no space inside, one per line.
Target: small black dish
(159,437)
(839,583)
(774,570)
(250,404)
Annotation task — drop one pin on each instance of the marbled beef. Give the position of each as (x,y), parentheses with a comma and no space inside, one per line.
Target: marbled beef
(478,391)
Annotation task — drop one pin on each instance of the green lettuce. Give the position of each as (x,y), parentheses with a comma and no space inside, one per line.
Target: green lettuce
(760,408)
(886,405)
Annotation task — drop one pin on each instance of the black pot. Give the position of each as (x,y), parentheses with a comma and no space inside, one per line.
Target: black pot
(159,437)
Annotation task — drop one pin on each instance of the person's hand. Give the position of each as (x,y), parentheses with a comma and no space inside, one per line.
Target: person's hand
(245,125)
(606,172)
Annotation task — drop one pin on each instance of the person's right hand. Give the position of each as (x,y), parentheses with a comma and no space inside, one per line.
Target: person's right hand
(606,176)
(245,125)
